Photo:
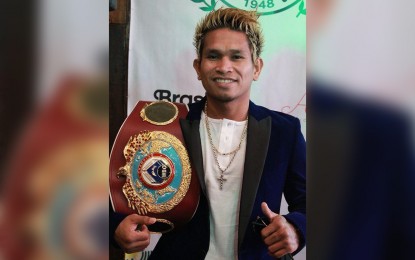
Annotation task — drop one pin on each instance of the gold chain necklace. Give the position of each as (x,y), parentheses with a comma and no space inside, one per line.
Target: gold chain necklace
(221,179)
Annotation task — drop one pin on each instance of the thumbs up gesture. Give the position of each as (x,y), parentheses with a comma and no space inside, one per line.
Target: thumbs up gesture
(280,236)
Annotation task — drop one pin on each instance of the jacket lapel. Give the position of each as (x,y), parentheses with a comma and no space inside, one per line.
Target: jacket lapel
(192,138)
(259,132)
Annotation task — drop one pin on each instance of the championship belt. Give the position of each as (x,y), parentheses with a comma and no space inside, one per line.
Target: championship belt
(150,171)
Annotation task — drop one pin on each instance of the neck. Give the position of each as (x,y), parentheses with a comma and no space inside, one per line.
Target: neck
(229,110)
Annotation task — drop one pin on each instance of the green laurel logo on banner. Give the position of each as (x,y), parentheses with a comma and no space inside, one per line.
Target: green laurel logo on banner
(263,7)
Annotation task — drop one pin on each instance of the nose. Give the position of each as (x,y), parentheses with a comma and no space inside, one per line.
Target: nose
(224,65)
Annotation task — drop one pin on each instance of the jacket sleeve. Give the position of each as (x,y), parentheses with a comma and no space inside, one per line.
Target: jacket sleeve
(295,186)
(114,220)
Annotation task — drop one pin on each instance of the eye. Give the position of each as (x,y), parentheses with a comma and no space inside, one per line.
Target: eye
(212,56)
(237,57)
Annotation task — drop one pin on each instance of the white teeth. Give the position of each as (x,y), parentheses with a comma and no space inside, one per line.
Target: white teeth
(224,80)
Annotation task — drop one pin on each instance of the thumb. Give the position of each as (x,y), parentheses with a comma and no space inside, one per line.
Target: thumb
(267,212)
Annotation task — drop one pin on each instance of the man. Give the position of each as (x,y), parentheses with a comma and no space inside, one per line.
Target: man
(245,156)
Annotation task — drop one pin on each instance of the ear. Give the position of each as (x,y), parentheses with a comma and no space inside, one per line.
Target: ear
(196,66)
(257,68)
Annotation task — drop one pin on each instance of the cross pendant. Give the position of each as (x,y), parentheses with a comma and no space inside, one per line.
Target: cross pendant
(221,180)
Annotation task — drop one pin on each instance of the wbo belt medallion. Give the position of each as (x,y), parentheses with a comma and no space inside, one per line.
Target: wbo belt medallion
(154,173)
(158,172)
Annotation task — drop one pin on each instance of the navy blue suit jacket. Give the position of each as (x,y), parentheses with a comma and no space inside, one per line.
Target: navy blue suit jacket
(275,164)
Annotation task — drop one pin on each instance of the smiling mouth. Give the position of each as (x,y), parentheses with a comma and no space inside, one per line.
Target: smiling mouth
(220,80)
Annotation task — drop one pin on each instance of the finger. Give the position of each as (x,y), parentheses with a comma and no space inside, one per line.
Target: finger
(135,237)
(279,253)
(134,245)
(141,240)
(275,225)
(272,238)
(280,245)
(137,246)
(143,227)
(149,220)
(281,248)
(283,232)
(267,231)
(138,242)
(267,212)
(275,231)
(286,244)
(141,220)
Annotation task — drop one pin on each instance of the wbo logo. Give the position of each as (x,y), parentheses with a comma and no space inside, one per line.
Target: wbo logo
(156,171)
(263,7)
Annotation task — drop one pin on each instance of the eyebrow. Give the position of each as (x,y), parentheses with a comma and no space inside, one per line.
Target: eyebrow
(232,51)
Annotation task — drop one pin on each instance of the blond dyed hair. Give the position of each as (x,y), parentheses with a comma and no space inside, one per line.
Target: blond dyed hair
(233,19)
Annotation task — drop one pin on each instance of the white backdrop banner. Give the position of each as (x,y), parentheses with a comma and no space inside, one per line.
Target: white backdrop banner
(161,56)
(161,52)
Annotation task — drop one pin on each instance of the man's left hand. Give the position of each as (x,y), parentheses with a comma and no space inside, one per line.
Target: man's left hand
(280,236)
